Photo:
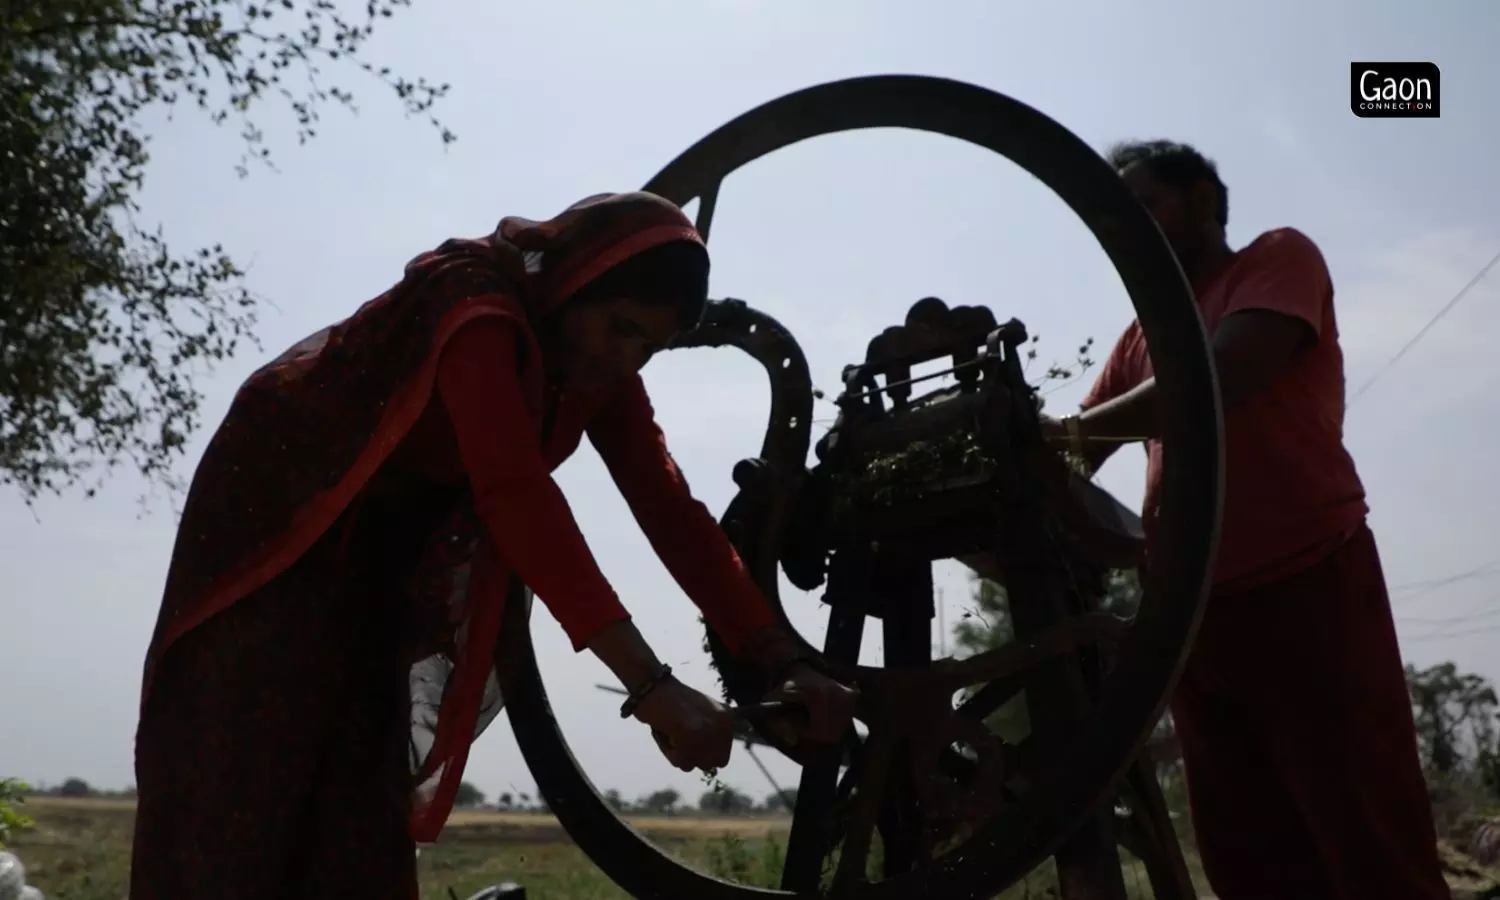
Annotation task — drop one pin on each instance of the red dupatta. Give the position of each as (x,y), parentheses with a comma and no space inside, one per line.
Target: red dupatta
(305,434)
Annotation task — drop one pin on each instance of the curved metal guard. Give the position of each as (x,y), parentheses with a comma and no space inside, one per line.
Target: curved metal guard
(732,323)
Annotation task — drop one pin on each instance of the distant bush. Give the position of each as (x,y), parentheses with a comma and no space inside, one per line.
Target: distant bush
(75,787)
(12,795)
(468,796)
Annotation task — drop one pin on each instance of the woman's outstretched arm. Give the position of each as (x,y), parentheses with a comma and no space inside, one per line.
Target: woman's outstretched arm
(699,555)
(521,506)
(535,533)
(681,530)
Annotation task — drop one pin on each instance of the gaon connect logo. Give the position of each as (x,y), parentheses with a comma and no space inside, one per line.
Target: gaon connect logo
(1395,90)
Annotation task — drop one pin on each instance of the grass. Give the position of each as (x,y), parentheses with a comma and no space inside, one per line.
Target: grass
(80,850)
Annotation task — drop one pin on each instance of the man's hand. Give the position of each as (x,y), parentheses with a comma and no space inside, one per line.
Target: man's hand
(1053,431)
(829,704)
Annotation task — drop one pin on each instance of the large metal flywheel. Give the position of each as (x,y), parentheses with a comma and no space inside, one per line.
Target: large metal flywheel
(956,473)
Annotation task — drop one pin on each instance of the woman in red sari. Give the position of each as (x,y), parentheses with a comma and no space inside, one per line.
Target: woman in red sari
(324,652)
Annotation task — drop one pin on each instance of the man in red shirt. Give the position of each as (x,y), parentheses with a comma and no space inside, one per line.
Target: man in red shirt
(1295,723)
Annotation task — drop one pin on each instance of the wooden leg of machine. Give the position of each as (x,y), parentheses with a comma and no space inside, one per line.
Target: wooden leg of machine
(1158,849)
(1088,864)
(903,590)
(808,842)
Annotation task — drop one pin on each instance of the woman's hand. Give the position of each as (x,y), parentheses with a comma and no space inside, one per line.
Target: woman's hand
(692,730)
(829,705)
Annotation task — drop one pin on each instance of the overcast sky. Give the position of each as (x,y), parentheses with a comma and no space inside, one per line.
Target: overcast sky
(836,238)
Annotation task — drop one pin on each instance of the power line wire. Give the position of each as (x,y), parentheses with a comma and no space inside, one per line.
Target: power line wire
(1452,620)
(1450,635)
(1490,568)
(1422,588)
(1418,589)
(1386,367)
(1429,585)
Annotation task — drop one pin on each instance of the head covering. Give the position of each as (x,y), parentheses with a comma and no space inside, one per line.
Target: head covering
(552,260)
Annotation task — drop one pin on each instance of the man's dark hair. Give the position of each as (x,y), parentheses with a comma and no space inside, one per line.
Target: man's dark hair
(1175,164)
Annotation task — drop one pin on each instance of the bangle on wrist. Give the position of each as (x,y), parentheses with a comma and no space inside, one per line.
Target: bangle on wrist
(640,692)
(1073,428)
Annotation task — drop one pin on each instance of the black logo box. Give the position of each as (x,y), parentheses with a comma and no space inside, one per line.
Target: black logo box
(1395,90)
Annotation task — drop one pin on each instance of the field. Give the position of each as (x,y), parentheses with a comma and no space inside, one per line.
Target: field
(80,850)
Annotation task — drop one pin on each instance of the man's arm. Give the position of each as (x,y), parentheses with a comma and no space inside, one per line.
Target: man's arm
(1116,377)
(1250,349)
(1097,453)
(1274,313)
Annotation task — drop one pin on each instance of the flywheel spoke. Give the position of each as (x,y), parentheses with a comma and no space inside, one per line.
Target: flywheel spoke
(1011,660)
(707,202)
